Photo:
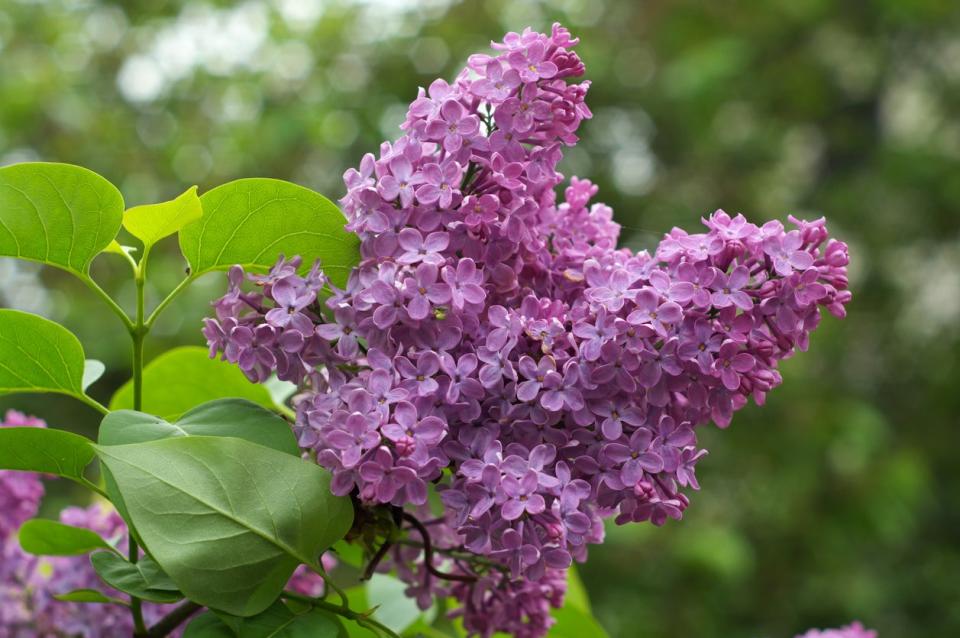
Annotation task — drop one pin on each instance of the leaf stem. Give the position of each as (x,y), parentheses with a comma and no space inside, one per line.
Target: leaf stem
(166,301)
(362,619)
(113,305)
(332,585)
(137,332)
(93,403)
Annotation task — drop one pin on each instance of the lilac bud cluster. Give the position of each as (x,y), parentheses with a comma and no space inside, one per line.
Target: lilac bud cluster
(854,630)
(496,343)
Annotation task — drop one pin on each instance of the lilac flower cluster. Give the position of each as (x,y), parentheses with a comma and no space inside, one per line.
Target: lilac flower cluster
(854,630)
(496,343)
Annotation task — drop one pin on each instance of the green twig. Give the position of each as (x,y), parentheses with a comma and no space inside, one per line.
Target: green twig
(362,619)
(107,299)
(167,300)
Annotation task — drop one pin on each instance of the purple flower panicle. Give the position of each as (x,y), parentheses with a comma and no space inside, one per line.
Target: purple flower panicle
(495,343)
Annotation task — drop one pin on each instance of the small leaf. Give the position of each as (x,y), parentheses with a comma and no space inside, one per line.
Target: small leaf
(153,222)
(47,451)
(227,519)
(279,390)
(115,248)
(144,579)
(224,417)
(89,596)
(251,221)
(184,377)
(92,371)
(57,214)
(49,538)
(279,621)
(394,608)
(38,355)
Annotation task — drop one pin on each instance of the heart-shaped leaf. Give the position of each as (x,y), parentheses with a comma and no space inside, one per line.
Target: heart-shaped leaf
(57,214)
(153,222)
(38,355)
(251,221)
(184,377)
(49,538)
(47,451)
(224,417)
(229,520)
(143,579)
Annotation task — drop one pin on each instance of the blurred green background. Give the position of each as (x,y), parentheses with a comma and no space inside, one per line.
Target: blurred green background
(841,498)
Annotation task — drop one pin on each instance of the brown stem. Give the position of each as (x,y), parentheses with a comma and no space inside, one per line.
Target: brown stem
(372,565)
(173,620)
(428,553)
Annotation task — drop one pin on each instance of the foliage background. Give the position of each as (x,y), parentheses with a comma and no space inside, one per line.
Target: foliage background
(841,498)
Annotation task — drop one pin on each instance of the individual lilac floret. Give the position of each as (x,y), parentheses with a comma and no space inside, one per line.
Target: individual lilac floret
(496,344)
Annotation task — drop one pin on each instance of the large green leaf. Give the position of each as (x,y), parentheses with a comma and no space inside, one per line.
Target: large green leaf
(153,222)
(58,214)
(184,377)
(229,520)
(252,221)
(38,355)
(43,537)
(45,450)
(224,417)
(143,579)
(278,621)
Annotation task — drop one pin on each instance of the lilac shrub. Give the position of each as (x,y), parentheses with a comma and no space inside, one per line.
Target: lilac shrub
(495,345)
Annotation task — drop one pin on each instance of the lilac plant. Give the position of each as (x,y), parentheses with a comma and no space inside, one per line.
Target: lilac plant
(496,348)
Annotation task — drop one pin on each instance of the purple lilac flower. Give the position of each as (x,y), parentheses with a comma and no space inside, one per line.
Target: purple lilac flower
(496,343)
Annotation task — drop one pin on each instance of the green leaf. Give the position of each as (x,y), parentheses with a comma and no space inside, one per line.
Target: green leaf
(184,377)
(49,538)
(252,221)
(115,248)
(57,214)
(92,371)
(153,222)
(229,520)
(45,450)
(224,417)
(576,592)
(394,608)
(279,621)
(207,625)
(89,596)
(572,623)
(143,579)
(38,355)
